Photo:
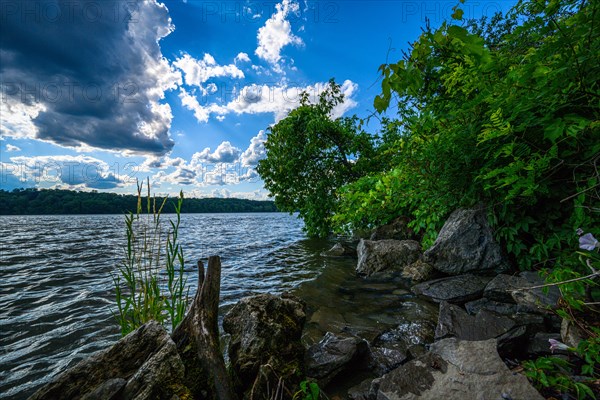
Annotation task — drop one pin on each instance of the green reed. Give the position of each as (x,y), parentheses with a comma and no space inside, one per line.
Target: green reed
(150,283)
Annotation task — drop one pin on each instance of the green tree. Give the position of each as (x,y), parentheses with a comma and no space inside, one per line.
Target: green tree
(310,155)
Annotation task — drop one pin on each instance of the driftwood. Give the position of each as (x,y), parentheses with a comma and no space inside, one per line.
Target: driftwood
(198,342)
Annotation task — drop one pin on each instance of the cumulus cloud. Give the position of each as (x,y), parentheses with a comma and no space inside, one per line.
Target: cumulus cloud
(242,57)
(197,72)
(276,99)
(224,153)
(256,151)
(277,33)
(11,148)
(72,171)
(79,80)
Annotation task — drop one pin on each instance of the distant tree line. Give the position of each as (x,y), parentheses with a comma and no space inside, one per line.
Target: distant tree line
(57,201)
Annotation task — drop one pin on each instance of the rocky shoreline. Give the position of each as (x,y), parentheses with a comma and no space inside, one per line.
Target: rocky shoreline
(475,321)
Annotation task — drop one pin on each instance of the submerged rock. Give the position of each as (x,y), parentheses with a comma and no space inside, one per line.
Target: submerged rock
(466,244)
(383,255)
(265,341)
(333,355)
(340,250)
(456,370)
(143,365)
(454,289)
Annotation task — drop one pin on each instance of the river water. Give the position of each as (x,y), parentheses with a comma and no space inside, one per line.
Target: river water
(57,293)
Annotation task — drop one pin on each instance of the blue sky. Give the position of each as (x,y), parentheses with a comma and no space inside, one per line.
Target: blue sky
(95,94)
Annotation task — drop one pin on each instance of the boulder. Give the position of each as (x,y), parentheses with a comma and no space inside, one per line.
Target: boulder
(397,229)
(535,299)
(454,289)
(501,287)
(384,359)
(382,255)
(265,341)
(366,390)
(340,250)
(334,354)
(456,370)
(466,244)
(143,365)
(418,271)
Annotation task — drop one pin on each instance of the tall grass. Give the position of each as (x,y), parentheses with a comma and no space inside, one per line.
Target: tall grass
(150,283)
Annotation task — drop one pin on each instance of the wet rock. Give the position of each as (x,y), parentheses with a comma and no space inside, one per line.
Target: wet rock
(539,345)
(466,244)
(418,271)
(265,330)
(473,307)
(334,354)
(143,365)
(409,333)
(340,250)
(383,255)
(366,390)
(536,299)
(456,370)
(397,229)
(455,289)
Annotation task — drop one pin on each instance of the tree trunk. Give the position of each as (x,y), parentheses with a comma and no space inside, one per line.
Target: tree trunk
(197,339)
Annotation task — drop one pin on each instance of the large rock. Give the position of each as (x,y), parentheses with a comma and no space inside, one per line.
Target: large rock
(382,255)
(332,355)
(419,271)
(454,289)
(265,341)
(397,229)
(465,244)
(143,365)
(456,370)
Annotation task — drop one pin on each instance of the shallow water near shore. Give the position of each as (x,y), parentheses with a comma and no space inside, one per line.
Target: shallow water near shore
(57,291)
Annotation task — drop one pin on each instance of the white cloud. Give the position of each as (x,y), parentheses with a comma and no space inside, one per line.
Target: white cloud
(10,148)
(197,72)
(277,33)
(17,118)
(256,151)
(278,100)
(242,57)
(224,153)
(73,171)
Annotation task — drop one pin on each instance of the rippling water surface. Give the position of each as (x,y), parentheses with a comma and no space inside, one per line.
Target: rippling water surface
(57,293)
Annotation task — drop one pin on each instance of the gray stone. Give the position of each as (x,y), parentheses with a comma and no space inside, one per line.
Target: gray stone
(397,229)
(570,333)
(501,287)
(340,250)
(536,299)
(143,365)
(455,289)
(418,271)
(409,333)
(366,390)
(332,355)
(466,244)
(385,359)
(473,307)
(456,370)
(265,329)
(384,255)
(454,321)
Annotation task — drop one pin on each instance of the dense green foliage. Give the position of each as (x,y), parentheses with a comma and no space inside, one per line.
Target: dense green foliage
(309,156)
(44,202)
(504,114)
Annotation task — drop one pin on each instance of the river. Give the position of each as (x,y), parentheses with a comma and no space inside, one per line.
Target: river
(57,293)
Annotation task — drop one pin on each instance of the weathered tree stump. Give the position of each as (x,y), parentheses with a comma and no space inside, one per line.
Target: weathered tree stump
(197,339)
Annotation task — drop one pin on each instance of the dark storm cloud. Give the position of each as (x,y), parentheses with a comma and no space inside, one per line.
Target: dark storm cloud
(95,67)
